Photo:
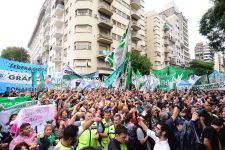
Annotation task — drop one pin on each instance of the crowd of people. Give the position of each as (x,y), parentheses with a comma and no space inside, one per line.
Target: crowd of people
(123,120)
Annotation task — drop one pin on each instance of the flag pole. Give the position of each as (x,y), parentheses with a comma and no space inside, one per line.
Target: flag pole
(129,52)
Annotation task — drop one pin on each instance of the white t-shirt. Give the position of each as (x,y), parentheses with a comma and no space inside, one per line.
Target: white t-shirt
(80,130)
(159,145)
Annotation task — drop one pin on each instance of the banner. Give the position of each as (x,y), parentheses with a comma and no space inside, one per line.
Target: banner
(18,76)
(6,113)
(10,101)
(37,116)
(216,77)
(208,87)
(70,74)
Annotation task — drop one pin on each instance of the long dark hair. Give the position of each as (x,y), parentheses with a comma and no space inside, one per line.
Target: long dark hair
(20,145)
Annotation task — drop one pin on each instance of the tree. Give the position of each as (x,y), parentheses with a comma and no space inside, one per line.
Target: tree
(212,25)
(16,54)
(201,67)
(140,62)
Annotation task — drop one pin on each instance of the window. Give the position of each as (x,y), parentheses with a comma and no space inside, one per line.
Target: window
(114,36)
(82,62)
(82,45)
(67,10)
(83,12)
(66,23)
(65,52)
(83,28)
(65,38)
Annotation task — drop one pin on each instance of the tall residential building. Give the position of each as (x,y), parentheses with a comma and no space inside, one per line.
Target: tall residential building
(83,32)
(219,62)
(203,52)
(167,38)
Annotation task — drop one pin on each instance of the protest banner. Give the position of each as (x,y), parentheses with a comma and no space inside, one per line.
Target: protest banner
(19,76)
(7,102)
(6,113)
(37,116)
(212,86)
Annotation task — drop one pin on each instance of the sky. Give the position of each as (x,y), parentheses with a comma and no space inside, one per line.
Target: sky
(18,19)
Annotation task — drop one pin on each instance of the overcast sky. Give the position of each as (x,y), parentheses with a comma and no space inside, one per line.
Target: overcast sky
(18,18)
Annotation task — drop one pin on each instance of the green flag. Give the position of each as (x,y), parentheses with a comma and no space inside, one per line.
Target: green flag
(109,59)
(34,78)
(116,58)
(138,74)
(42,78)
(113,76)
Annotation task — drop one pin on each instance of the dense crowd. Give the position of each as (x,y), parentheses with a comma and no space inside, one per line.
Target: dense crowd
(123,120)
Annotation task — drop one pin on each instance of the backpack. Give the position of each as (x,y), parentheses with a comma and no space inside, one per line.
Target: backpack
(132,138)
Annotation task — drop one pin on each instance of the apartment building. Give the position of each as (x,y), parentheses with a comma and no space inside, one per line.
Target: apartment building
(83,32)
(46,44)
(167,38)
(203,52)
(219,62)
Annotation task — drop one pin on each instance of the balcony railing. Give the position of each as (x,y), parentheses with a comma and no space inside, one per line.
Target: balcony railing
(105,9)
(105,23)
(104,38)
(59,9)
(136,4)
(135,14)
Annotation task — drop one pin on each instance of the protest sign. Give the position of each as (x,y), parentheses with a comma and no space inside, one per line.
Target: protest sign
(19,76)
(37,116)
(208,87)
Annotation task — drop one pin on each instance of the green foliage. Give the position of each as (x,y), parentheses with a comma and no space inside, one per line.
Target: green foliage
(140,62)
(212,25)
(16,54)
(201,67)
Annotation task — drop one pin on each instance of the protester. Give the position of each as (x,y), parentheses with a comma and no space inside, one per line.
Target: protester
(88,119)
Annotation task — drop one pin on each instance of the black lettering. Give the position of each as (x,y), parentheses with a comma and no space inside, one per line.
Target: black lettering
(24,78)
(11,77)
(18,77)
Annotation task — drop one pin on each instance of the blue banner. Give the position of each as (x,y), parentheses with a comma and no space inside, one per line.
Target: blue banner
(20,76)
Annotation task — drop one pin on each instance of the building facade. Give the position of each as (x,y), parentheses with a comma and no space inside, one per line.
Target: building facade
(203,52)
(167,38)
(219,63)
(83,32)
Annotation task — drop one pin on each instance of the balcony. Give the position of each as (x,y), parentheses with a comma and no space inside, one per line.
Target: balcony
(166,50)
(166,35)
(108,1)
(166,43)
(105,23)
(104,38)
(135,26)
(105,9)
(57,60)
(47,36)
(58,22)
(57,46)
(102,54)
(167,59)
(58,33)
(136,37)
(136,4)
(135,15)
(59,9)
(172,39)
